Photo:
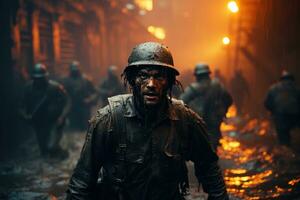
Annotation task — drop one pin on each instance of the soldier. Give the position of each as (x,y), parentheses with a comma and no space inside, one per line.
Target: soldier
(45,106)
(83,95)
(218,75)
(209,99)
(142,140)
(283,101)
(110,86)
(240,90)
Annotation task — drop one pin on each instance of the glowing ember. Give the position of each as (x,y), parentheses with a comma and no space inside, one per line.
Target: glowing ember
(237,171)
(229,144)
(227,127)
(294,181)
(232,112)
(247,181)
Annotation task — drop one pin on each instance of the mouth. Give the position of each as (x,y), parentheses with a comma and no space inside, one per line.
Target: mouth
(151,97)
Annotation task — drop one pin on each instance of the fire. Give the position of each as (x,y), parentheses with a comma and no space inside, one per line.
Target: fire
(158,32)
(237,171)
(227,127)
(228,144)
(248,181)
(232,112)
(294,182)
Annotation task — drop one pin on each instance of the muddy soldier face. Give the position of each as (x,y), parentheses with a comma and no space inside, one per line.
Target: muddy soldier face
(141,141)
(151,86)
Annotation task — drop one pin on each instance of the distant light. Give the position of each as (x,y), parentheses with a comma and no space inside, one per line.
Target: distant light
(145,4)
(142,12)
(158,32)
(130,6)
(226,40)
(232,6)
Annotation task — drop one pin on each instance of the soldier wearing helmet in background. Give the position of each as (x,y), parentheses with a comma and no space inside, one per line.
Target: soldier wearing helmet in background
(209,99)
(240,90)
(141,141)
(110,86)
(45,106)
(283,101)
(83,96)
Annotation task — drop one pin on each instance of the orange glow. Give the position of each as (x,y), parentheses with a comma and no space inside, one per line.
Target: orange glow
(227,127)
(158,32)
(233,7)
(294,181)
(237,171)
(247,181)
(232,111)
(226,40)
(229,144)
(145,4)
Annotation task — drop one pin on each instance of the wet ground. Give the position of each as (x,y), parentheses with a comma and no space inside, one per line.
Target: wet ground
(254,166)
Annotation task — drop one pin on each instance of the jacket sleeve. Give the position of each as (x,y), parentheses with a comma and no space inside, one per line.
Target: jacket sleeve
(84,179)
(205,161)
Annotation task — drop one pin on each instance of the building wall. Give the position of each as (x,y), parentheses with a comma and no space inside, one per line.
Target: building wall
(96,33)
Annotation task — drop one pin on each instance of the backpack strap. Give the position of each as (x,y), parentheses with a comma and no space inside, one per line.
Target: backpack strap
(118,107)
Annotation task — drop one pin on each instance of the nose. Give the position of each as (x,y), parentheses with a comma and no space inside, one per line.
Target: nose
(151,83)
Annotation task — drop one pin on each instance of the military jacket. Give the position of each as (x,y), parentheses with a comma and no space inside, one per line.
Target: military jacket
(209,99)
(47,105)
(283,98)
(150,168)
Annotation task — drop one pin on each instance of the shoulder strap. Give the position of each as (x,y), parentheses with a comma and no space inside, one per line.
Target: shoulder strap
(117,106)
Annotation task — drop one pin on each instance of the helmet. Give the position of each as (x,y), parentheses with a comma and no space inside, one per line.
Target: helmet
(201,68)
(112,69)
(286,75)
(39,71)
(150,53)
(74,66)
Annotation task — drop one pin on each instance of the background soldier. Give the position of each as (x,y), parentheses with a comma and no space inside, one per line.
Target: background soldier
(240,90)
(209,99)
(110,86)
(45,106)
(83,95)
(142,141)
(283,101)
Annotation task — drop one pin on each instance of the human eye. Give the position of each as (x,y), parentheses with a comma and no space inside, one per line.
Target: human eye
(143,75)
(159,77)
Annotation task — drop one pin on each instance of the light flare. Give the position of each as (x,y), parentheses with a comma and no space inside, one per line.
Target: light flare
(233,7)
(158,32)
(226,40)
(145,4)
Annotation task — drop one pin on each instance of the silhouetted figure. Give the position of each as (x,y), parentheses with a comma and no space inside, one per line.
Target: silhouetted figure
(209,99)
(142,140)
(218,76)
(45,106)
(283,101)
(83,96)
(110,86)
(239,90)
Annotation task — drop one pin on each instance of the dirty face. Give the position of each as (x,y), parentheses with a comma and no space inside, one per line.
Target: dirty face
(151,84)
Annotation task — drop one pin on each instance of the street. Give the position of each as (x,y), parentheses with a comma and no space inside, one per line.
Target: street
(254,166)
